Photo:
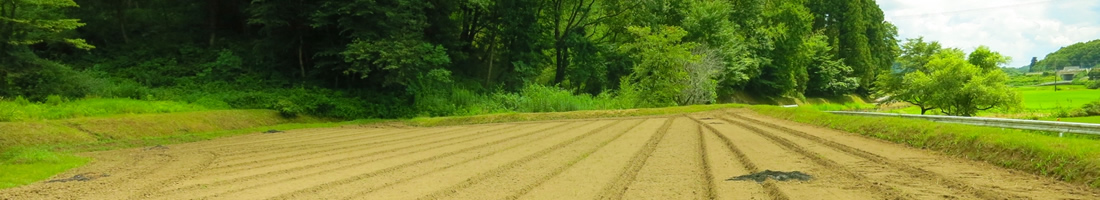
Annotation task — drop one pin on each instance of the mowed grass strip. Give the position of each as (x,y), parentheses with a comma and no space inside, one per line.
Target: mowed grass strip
(1070,159)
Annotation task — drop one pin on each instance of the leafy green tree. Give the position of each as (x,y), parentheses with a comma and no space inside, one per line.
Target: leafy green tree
(987,59)
(790,23)
(828,75)
(947,81)
(859,34)
(962,89)
(659,71)
(24,23)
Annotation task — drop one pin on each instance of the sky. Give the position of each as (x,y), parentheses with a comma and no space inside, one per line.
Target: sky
(1021,29)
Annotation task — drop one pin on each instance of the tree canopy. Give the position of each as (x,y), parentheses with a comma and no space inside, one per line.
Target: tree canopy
(947,80)
(1083,54)
(421,54)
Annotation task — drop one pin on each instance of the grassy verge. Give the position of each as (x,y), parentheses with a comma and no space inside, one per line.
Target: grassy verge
(1071,159)
(519,117)
(56,108)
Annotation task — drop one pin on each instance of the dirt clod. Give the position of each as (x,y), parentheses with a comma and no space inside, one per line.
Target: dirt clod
(158,147)
(759,177)
(272,131)
(79,177)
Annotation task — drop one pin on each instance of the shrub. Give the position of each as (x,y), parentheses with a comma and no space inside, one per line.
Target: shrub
(1092,108)
(1095,84)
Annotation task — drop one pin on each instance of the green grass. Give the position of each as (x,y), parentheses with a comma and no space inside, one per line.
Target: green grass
(15,110)
(27,165)
(1071,159)
(1045,98)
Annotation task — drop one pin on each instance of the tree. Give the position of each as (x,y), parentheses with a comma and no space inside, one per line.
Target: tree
(26,23)
(962,89)
(947,80)
(1082,54)
(828,75)
(1031,67)
(659,71)
(986,59)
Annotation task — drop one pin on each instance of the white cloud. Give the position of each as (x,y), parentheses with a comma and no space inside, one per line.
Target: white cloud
(1018,28)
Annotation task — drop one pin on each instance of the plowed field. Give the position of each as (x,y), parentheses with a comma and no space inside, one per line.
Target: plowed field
(670,157)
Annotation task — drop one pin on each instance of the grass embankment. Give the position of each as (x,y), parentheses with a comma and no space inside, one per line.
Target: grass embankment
(1074,160)
(23,110)
(35,150)
(588,114)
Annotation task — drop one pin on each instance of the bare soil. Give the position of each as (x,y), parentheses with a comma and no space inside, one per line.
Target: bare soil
(678,157)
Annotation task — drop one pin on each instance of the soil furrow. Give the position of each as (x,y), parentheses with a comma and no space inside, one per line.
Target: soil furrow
(320,165)
(341,148)
(766,154)
(331,173)
(617,187)
(704,158)
(599,168)
(862,181)
(460,178)
(770,189)
(672,171)
(918,172)
(249,154)
(478,159)
(522,178)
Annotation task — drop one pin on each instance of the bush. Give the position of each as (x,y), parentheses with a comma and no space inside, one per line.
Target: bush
(1092,108)
(1095,84)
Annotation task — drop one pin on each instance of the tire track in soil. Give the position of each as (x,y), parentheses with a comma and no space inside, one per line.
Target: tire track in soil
(862,181)
(462,177)
(769,188)
(364,183)
(525,176)
(195,165)
(618,186)
(326,150)
(704,158)
(293,179)
(318,165)
(918,173)
(673,170)
(828,183)
(599,168)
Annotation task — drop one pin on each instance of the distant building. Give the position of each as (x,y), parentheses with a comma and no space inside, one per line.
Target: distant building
(1067,73)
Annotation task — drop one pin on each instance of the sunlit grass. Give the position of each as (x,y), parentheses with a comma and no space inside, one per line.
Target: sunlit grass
(12,110)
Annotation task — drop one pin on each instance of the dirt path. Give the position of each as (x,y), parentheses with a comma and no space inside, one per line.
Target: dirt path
(679,157)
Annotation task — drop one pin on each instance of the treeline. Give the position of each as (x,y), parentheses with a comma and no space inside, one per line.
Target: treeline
(1082,54)
(393,58)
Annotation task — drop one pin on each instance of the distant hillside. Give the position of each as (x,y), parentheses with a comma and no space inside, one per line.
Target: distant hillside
(1084,54)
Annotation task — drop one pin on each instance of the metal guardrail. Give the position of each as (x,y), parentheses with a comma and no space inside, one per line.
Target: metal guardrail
(1060,127)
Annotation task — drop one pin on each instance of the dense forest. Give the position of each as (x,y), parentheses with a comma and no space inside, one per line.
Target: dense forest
(1083,54)
(401,58)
